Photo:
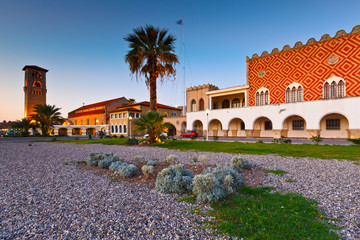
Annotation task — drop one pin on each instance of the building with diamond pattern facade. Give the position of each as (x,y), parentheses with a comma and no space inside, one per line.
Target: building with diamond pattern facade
(307,90)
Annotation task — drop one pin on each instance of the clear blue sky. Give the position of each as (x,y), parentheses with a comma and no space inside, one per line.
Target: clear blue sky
(81,43)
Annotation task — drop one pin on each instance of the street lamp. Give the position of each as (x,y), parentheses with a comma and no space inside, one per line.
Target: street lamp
(207,124)
(130,118)
(97,122)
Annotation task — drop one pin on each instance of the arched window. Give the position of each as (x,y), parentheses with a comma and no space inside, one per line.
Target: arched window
(242,126)
(125,130)
(299,94)
(326,90)
(293,94)
(120,129)
(116,129)
(333,90)
(235,103)
(266,97)
(201,104)
(112,128)
(287,95)
(257,103)
(225,104)
(341,89)
(193,105)
(262,98)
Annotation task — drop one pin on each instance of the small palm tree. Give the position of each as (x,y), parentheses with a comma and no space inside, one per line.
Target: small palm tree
(46,116)
(152,123)
(151,55)
(24,125)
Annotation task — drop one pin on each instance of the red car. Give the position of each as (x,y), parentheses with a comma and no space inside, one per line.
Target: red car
(189,134)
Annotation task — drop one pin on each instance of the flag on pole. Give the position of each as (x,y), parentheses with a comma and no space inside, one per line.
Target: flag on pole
(179,22)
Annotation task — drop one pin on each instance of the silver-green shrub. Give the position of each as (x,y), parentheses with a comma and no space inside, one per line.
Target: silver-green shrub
(203,159)
(139,158)
(128,170)
(147,170)
(115,166)
(215,184)
(171,158)
(241,163)
(95,158)
(175,179)
(153,163)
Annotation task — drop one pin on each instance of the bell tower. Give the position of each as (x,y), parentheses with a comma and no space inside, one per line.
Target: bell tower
(34,88)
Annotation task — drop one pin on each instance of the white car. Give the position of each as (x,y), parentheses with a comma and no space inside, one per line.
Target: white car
(163,134)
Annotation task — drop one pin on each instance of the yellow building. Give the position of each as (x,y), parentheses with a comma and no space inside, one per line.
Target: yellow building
(122,119)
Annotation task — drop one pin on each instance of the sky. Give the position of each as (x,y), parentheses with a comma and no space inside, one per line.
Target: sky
(81,43)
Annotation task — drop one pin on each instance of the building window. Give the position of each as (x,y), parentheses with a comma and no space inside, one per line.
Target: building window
(268,125)
(298,125)
(235,103)
(173,114)
(37,84)
(266,97)
(120,128)
(299,94)
(116,129)
(193,105)
(332,124)
(125,129)
(242,127)
(257,103)
(225,104)
(201,104)
(88,122)
(262,98)
(287,95)
(326,90)
(111,116)
(293,94)
(333,90)
(124,115)
(112,128)
(341,89)
(215,105)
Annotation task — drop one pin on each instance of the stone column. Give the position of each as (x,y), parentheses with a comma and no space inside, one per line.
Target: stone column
(69,131)
(248,133)
(353,133)
(277,133)
(256,133)
(225,133)
(83,131)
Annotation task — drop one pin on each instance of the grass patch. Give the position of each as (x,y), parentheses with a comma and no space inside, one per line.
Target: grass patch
(255,213)
(290,180)
(351,152)
(188,199)
(277,172)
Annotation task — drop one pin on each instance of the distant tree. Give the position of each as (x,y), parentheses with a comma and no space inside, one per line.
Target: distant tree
(153,123)
(46,116)
(151,55)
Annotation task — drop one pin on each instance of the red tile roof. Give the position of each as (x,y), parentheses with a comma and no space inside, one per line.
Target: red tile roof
(98,104)
(72,114)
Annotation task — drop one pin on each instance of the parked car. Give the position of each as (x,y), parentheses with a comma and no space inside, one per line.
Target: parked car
(189,134)
(163,134)
(10,134)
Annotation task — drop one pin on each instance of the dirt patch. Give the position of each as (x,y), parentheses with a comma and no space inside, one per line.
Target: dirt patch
(252,177)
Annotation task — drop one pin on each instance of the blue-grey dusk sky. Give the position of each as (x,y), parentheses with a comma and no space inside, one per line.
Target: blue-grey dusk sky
(81,43)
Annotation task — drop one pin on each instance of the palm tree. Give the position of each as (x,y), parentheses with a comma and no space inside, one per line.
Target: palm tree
(153,124)
(46,116)
(24,125)
(152,56)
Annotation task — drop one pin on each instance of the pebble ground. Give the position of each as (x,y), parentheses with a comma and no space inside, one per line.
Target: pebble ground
(42,198)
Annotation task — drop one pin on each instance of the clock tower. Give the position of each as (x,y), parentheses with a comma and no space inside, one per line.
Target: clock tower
(34,88)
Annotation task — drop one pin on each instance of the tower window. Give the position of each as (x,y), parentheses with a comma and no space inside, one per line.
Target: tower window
(37,84)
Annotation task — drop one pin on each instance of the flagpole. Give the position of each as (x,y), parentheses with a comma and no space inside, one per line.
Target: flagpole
(184,105)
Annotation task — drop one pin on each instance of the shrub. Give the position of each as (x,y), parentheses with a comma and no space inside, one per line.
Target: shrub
(131,141)
(215,184)
(171,158)
(215,138)
(195,159)
(175,179)
(121,136)
(316,139)
(153,163)
(128,170)
(355,140)
(203,159)
(115,166)
(114,136)
(241,163)
(106,159)
(53,139)
(193,137)
(147,170)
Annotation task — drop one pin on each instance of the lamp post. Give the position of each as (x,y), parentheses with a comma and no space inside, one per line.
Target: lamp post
(130,118)
(207,124)
(97,122)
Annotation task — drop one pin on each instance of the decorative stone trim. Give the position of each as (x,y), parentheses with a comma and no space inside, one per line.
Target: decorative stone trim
(261,74)
(325,37)
(333,59)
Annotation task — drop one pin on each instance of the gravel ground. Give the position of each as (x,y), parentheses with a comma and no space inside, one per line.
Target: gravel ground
(42,198)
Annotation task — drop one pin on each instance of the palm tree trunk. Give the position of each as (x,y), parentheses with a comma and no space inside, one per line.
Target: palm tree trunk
(153,98)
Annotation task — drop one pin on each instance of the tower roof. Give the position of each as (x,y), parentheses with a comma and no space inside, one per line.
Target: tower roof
(34,67)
